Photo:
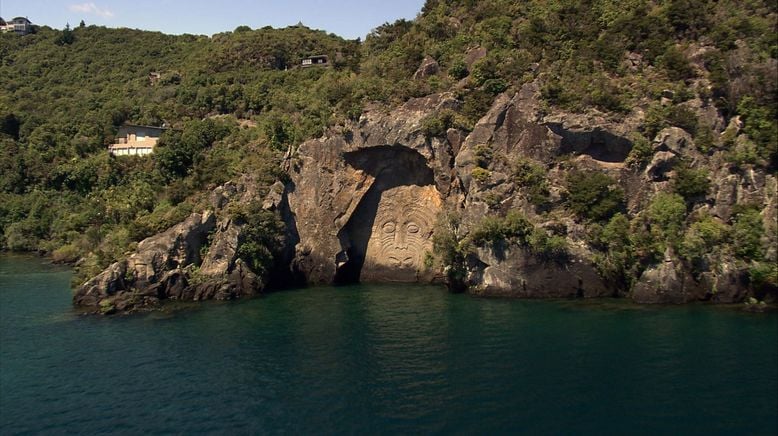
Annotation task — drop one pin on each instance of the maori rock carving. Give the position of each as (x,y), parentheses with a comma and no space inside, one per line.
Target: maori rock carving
(401,235)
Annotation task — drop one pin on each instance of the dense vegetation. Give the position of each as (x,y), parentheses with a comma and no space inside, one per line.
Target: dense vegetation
(237,102)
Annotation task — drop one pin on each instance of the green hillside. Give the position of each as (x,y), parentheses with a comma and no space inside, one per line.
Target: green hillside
(237,102)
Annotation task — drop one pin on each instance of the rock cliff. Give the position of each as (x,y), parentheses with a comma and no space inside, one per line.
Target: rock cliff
(363,204)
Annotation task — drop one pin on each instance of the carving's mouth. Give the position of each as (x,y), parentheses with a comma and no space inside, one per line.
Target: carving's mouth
(401,262)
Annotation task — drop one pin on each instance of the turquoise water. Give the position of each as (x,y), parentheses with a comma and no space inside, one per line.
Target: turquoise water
(379,359)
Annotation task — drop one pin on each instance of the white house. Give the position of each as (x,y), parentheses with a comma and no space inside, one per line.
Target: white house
(20,25)
(132,140)
(315,61)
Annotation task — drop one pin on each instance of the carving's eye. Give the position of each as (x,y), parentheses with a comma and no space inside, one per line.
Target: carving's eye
(389,227)
(413,228)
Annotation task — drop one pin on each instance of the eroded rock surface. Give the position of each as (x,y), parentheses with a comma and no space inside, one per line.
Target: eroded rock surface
(363,202)
(193,260)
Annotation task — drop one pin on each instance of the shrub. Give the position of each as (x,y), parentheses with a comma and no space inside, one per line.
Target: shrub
(763,274)
(452,248)
(593,196)
(607,97)
(514,226)
(436,125)
(495,86)
(690,183)
(554,93)
(475,105)
(702,238)
(676,65)
(261,238)
(747,231)
(641,152)
(547,247)
(656,120)
(481,175)
(619,253)
(483,155)
(704,140)
(666,214)
(458,70)
(683,117)
(759,123)
(531,177)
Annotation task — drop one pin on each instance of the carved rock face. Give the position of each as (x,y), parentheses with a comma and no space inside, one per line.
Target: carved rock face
(401,234)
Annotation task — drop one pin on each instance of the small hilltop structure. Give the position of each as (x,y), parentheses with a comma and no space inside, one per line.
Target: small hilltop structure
(19,25)
(135,140)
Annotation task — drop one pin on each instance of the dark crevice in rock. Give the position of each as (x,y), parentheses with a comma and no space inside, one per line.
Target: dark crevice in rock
(599,144)
(284,274)
(394,165)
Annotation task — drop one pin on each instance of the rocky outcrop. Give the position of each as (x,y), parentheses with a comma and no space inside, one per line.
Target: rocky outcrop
(519,273)
(147,274)
(193,260)
(666,283)
(429,67)
(363,202)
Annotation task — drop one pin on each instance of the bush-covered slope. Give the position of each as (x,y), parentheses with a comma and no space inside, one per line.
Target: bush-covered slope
(236,103)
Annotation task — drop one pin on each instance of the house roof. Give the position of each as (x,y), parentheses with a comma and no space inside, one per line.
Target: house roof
(138,126)
(21,20)
(2,21)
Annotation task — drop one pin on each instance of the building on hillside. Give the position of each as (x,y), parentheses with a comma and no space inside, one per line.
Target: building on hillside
(315,61)
(132,140)
(19,25)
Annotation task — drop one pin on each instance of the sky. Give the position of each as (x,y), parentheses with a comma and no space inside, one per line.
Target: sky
(348,18)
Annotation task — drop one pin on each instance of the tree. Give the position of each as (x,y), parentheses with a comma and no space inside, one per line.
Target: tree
(66,37)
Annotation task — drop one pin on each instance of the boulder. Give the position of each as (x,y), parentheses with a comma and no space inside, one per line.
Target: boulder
(153,272)
(223,251)
(429,67)
(474,55)
(515,272)
(669,283)
(109,282)
(661,164)
(673,139)
(177,247)
(659,285)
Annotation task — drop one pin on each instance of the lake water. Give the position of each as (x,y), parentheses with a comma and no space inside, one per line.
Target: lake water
(379,359)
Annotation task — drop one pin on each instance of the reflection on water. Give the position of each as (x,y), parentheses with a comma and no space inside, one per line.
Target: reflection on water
(379,359)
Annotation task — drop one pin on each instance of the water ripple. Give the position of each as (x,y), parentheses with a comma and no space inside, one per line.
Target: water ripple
(379,360)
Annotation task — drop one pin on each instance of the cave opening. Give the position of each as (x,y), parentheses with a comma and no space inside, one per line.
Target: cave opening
(598,144)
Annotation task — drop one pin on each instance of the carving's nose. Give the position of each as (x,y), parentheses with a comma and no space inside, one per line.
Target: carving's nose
(400,238)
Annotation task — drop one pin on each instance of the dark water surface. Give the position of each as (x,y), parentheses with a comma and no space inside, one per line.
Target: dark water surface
(380,359)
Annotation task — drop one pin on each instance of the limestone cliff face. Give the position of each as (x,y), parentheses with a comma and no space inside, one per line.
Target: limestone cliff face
(363,202)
